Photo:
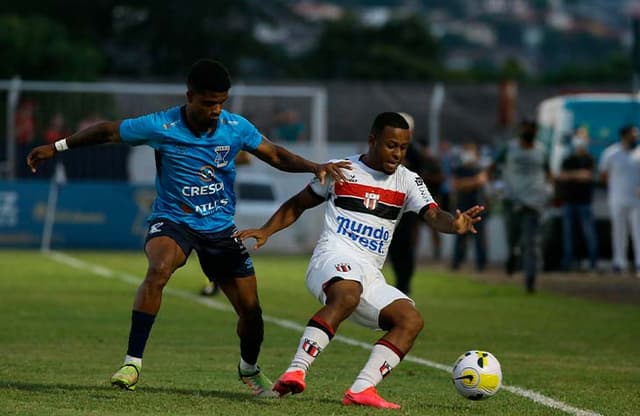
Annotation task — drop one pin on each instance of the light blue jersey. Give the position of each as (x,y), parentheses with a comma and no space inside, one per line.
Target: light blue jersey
(195,174)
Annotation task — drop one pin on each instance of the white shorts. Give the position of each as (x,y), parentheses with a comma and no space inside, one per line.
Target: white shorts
(376,293)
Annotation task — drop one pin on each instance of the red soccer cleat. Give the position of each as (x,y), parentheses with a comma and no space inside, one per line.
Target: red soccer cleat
(367,397)
(290,382)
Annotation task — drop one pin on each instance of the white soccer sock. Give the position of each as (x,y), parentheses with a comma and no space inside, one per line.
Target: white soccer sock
(246,368)
(381,361)
(312,342)
(133,360)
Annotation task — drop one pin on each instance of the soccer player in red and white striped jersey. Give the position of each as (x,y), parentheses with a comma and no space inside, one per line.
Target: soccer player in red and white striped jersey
(345,274)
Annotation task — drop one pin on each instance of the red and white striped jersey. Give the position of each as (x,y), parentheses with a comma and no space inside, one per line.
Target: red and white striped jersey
(362,212)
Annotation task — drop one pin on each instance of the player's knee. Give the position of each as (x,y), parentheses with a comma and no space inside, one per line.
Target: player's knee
(158,274)
(410,321)
(346,302)
(252,313)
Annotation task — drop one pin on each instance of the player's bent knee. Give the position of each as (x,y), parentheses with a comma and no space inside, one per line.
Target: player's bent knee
(410,321)
(346,302)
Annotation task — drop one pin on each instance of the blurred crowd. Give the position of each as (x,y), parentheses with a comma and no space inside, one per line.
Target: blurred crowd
(548,217)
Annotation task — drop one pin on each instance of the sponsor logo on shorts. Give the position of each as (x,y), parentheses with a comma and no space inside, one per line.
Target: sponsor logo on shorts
(155,228)
(311,347)
(343,267)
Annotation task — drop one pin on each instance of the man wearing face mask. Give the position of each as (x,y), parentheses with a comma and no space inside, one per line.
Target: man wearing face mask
(576,184)
(620,170)
(468,183)
(525,173)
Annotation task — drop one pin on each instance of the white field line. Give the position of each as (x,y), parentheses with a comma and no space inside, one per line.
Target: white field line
(214,304)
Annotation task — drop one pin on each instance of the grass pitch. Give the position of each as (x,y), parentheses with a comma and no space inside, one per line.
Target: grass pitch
(64,331)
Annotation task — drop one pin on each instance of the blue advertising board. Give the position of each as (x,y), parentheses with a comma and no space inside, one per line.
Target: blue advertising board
(87,215)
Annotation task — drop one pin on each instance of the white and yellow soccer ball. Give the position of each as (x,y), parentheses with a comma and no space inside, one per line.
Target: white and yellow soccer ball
(477,375)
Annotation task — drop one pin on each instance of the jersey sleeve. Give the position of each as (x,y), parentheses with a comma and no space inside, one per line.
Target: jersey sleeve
(418,196)
(251,137)
(142,130)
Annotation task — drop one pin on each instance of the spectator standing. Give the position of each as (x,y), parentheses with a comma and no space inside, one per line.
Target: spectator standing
(56,129)
(525,174)
(288,127)
(576,184)
(25,132)
(434,178)
(620,170)
(468,181)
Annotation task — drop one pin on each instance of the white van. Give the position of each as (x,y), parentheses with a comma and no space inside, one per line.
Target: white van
(603,114)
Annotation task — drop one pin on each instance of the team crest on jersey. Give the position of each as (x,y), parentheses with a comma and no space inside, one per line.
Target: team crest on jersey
(311,347)
(343,267)
(371,200)
(207,173)
(221,156)
(385,369)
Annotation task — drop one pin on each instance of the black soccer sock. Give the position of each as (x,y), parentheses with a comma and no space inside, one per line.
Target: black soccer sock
(141,324)
(251,333)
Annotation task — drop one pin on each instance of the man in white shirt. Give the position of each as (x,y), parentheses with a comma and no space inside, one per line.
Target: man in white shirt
(620,169)
(345,274)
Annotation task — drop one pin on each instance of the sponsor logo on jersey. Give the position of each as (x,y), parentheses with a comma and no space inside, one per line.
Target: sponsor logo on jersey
(207,173)
(385,369)
(210,189)
(210,207)
(155,228)
(221,156)
(343,267)
(373,239)
(311,347)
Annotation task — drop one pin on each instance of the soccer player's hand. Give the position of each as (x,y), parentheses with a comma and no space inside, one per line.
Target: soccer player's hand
(259,234)
(334,169)
(463,222)
(38,154)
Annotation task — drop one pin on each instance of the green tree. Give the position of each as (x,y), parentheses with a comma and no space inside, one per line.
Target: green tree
(399,50)
(37,47)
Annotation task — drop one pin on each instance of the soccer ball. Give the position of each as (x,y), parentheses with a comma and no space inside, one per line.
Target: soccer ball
(477,375)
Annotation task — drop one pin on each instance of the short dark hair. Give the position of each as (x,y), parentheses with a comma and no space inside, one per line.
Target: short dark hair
(390,119)
(626,129)
(208,75)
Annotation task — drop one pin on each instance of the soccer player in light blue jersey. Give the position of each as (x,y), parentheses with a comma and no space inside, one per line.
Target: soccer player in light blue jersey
(195,148)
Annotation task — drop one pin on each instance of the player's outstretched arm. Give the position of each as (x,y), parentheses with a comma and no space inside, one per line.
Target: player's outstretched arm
(286,215)
(280,158)
(103,132)
(461,223)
